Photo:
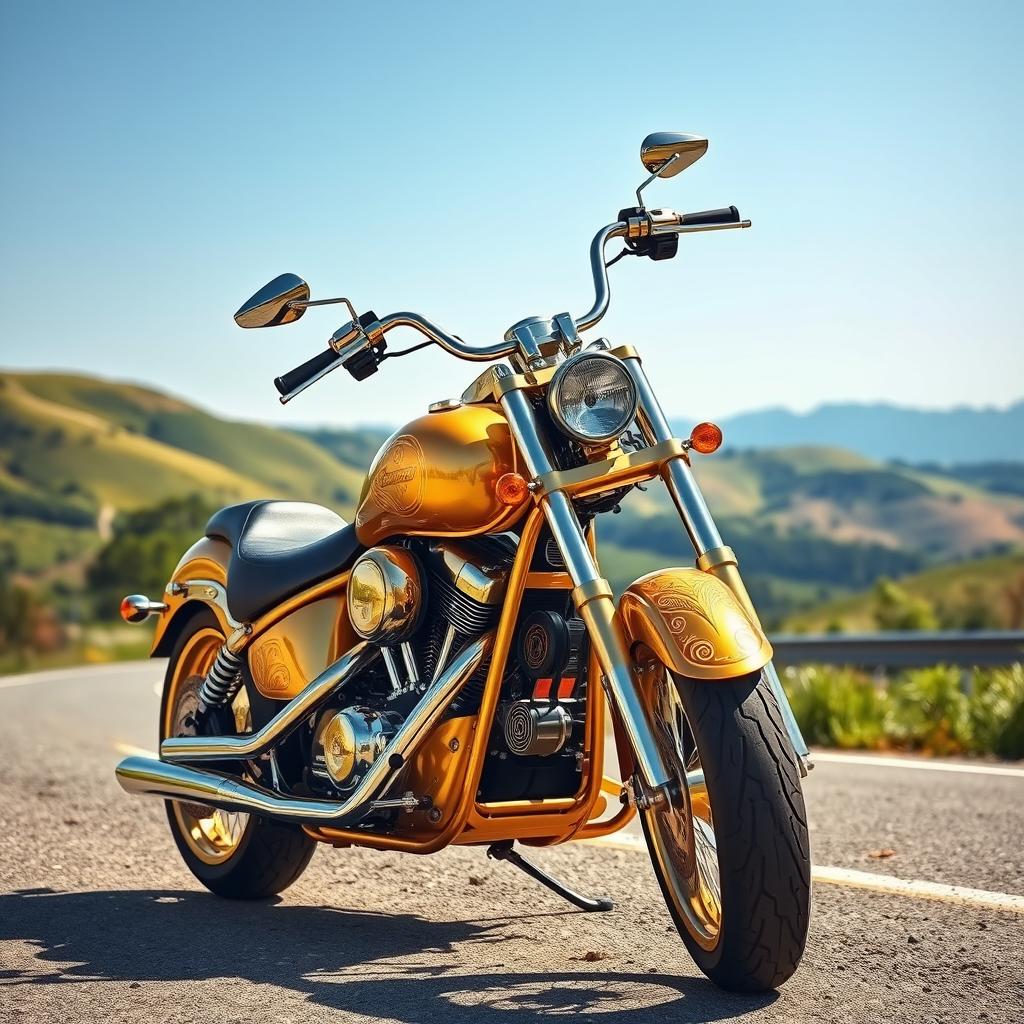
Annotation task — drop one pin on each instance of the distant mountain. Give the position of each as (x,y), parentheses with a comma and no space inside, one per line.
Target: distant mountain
(885,432)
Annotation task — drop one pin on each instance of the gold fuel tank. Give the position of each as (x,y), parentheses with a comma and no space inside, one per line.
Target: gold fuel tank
(436,477)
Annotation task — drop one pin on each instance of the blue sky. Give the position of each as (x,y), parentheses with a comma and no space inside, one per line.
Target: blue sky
(160,162)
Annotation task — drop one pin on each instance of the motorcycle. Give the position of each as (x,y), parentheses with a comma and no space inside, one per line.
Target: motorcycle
(440,671)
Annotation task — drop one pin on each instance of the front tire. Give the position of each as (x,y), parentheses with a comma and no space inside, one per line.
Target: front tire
(731,853)
(238,856)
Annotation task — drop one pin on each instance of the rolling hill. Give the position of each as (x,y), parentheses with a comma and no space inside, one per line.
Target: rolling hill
(993,586)
(76,450)
(811,523)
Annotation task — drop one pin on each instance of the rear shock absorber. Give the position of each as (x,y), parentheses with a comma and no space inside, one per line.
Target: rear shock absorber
(223,680)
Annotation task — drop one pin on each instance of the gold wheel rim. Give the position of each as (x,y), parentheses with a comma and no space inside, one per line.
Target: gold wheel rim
(682,833)
(212,835)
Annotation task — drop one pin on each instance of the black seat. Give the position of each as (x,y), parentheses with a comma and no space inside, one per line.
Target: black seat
(277,549)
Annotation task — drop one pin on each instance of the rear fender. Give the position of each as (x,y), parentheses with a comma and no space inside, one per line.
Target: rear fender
(694,624)
(204,569)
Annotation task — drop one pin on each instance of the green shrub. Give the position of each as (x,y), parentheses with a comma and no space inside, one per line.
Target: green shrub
(925,709)
(929,711)
(997,712)
(838,707)
(894,608)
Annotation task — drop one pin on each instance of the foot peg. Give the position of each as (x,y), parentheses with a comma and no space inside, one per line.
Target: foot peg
(504,851)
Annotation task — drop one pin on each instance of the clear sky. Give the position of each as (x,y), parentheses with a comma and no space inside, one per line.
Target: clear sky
(159,162)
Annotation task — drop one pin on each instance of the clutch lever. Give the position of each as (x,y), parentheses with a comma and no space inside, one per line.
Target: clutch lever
(357,345)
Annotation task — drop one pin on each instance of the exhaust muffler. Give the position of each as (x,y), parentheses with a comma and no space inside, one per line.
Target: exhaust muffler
(150,777)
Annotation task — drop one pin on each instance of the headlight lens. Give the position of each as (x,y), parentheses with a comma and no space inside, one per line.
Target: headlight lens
(592,396)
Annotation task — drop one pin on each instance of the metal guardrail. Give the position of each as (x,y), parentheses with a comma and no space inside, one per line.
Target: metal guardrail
(964,649)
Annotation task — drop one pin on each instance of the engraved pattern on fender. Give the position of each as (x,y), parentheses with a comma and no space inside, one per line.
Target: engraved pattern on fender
(697,607)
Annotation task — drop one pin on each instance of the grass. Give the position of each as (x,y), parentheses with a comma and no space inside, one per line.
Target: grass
(94,645)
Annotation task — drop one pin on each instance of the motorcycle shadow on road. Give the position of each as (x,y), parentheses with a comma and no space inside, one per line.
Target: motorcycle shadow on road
(411,968)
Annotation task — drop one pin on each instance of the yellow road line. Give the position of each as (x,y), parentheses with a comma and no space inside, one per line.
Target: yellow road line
(852,879)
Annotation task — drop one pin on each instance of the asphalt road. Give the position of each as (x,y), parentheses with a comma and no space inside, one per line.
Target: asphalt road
(100,921)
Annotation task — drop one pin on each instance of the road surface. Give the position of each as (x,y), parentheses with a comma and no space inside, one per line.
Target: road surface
(99,920)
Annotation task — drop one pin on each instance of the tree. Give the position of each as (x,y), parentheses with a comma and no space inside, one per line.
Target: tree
(895,609)
(144,550)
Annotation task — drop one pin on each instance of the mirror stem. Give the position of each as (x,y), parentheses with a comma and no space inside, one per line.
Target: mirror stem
(657,174)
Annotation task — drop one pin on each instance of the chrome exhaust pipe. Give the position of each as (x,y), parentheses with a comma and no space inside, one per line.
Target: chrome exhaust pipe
(143,775)
(196,749)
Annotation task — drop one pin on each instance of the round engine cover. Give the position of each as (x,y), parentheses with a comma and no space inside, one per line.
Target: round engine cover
(536,731)
(348,742)
(543,645)
(385,594)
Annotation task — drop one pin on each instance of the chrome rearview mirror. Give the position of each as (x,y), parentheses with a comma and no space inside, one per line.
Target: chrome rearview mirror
(280,302)
(665,154)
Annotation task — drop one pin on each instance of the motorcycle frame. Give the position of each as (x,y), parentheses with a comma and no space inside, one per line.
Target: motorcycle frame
(466,820)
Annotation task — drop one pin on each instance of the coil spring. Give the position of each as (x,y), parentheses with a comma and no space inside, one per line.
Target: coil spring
(223,680)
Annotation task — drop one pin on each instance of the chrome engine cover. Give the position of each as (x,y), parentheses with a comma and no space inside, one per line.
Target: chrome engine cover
(347,742)
(385,594)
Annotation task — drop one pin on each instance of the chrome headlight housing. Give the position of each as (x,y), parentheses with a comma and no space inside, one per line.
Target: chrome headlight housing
(592,397)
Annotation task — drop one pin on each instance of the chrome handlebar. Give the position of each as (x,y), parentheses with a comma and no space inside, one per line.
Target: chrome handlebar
(602,294)
(660,222)
(449,342)
(356,344)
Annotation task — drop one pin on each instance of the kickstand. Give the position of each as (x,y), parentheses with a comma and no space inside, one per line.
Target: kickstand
(504,851)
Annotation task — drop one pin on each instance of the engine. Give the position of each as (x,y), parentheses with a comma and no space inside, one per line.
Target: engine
(422,601)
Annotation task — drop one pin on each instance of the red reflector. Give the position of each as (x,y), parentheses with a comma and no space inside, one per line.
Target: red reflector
(565,688)
(542,689)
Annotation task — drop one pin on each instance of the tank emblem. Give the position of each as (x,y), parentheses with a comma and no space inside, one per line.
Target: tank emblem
(398,481)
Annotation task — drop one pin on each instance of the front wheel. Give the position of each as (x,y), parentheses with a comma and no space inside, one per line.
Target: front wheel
(730,850)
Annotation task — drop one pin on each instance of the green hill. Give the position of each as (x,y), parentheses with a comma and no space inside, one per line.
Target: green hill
(811,524)
(993,586)
(75,451)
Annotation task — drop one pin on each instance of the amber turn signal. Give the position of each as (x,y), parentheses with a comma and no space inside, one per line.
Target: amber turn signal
(511,489)
(706,438)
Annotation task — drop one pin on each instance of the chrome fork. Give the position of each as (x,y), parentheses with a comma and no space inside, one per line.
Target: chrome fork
(592,595)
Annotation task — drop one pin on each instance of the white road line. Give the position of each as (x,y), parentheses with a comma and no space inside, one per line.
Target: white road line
(868,880)
(85,674)
(923,890)
(129,750)
(916,763)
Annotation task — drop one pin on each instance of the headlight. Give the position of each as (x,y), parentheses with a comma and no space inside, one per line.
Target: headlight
(592,396)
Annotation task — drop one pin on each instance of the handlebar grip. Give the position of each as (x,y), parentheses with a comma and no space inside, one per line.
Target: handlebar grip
(303,374)
(728,215)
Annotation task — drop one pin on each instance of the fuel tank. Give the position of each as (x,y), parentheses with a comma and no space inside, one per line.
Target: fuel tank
(436,477)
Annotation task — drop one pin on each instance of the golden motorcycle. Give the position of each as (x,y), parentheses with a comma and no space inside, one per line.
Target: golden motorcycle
(442,669)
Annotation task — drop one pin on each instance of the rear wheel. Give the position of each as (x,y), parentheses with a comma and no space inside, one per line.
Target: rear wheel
(731,850)
(233,854)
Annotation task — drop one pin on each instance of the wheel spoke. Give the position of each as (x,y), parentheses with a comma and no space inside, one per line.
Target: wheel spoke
(212,834)
(684,834)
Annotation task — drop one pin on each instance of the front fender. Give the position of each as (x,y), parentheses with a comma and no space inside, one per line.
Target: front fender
(694,624)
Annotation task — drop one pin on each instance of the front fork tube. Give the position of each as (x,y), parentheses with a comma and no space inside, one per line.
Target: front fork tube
(593,598)
(712,555)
